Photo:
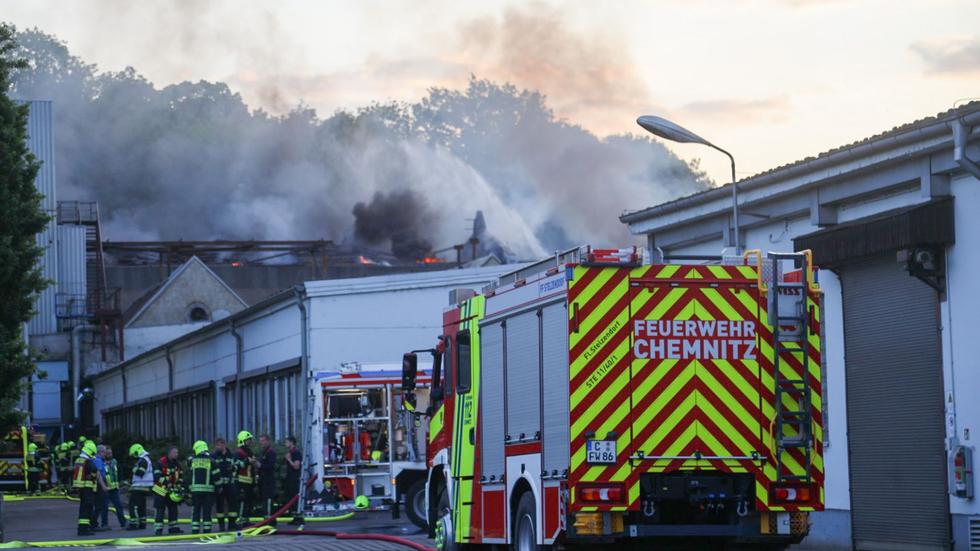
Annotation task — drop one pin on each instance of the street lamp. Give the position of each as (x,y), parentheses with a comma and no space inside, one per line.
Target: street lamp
(670,131)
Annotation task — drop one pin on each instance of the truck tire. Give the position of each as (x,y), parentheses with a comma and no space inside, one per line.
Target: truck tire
(525,535)
(445,532)
(415,504)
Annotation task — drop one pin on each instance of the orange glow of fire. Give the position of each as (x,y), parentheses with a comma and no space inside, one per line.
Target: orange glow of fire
(236,264)
(364,260)
(431,260)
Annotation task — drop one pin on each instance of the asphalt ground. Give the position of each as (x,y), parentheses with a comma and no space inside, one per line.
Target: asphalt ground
(35,520)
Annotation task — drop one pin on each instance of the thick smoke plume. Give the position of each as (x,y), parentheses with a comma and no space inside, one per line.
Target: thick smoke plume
(193,161)
(397,218)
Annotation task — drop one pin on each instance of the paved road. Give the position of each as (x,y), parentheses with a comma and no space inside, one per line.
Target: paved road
(55,520)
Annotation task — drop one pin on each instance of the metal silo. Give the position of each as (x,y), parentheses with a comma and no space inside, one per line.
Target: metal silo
(41,142)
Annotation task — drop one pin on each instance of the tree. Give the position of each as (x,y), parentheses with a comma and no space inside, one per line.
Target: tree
(21,218)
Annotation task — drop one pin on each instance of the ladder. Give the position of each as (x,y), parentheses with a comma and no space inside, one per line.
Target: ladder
(790,320)
(312,439)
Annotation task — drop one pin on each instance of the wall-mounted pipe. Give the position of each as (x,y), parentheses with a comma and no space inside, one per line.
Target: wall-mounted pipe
(76,366)
(239,370)
(961,134)
(309,465)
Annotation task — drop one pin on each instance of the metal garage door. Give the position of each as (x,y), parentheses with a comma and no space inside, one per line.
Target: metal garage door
(894,409)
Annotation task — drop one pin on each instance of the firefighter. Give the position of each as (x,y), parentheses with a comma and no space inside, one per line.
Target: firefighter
(140,486)
(225,486)
(67,464)
(166,486)
(33,469)
(60,459)
(267,476)
(202,474)
(245,464)
(84,478)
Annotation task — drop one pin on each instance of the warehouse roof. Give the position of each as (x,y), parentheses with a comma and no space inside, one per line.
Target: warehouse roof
(336,287)
(900,135)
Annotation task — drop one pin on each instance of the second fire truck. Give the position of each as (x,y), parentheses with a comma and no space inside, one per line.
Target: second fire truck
(593,399)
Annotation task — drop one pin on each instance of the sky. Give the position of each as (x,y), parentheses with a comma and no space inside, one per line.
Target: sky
(772,81)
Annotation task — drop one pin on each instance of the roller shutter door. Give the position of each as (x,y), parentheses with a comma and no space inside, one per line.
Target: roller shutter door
(554,391)
(523,371)
(492,403)
(894,409)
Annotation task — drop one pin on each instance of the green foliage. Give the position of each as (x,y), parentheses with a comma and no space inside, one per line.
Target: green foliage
(21,218)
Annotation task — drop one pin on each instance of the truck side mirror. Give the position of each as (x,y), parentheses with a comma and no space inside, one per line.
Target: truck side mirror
(410,370)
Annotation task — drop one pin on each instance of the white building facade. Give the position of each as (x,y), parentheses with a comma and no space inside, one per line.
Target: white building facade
(191,387)
(894,223)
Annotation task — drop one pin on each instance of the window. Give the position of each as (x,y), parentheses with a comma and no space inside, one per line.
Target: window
(198,313)
(463,371)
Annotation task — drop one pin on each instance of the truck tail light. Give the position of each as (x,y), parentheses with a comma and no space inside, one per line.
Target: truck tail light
(793,494)
(605,493)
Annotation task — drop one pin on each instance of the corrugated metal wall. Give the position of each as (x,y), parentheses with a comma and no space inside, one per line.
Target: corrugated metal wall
(41,142)
(71,271)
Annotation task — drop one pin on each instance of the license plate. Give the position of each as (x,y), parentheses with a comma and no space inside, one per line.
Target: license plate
(600,451)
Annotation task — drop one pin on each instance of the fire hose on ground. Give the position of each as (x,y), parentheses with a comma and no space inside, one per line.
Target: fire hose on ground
(262,528)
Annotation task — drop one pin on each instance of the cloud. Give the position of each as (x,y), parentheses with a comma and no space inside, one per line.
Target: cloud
(587,76)
(738,110)
(950,55)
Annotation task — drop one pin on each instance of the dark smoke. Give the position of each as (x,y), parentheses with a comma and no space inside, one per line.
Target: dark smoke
(396,218)
(193,161)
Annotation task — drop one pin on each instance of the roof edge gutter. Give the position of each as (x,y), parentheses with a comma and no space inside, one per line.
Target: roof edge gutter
(961,134)
(864,149)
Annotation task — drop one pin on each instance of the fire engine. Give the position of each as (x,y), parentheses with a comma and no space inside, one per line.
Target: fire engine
(592,398)
(372,445)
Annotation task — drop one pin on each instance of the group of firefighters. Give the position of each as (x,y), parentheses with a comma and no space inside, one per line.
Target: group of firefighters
(229,482)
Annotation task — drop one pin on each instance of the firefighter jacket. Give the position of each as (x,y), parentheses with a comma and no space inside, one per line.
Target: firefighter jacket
(142,474)
(246,471)
(167,476)
(226,464)
(85,475)
(203,472)
(111,474)
(61,457)
(33,462)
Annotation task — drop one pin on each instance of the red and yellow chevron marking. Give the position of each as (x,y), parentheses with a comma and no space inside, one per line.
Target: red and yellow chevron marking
(672,407)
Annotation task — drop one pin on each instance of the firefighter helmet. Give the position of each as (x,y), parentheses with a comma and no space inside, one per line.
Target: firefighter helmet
(82,440)
(89,447)
(361,503)
(376,456)
(244,436)
(136,450)
(32,447)
(200,447)
(176,496)
(70,444)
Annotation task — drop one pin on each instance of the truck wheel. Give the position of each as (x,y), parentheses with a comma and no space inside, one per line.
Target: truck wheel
(525,524)
(415,504)
(445,535)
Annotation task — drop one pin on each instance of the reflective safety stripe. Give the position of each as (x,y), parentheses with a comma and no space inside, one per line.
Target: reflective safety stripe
(81,479)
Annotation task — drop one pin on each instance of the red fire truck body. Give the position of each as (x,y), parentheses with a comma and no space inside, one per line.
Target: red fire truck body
(592,399)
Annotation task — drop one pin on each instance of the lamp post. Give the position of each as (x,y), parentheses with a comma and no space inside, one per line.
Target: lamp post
(674,132)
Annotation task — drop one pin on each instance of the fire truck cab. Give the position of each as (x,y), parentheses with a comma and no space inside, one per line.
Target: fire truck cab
(593,399)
